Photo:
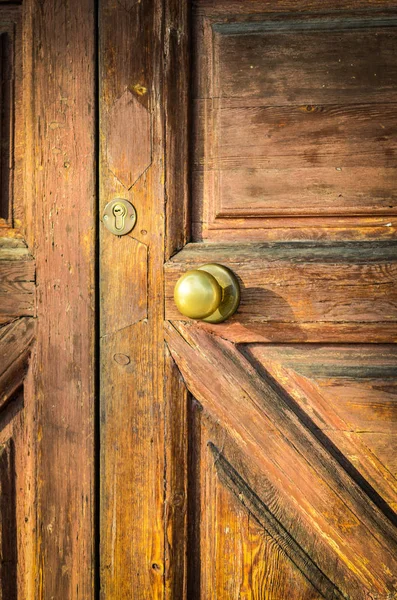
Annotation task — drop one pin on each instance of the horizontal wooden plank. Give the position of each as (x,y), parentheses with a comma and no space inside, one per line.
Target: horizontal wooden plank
(348,391)
(322,60)
(299,136)
(293,229)
(13,248)
(17,280)
(218,8)
(304,160)
(316,332)
(312,191)
(301,283)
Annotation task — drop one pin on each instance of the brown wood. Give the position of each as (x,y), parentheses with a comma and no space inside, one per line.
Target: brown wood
(8,541)
(290,290)
(291,187)
(293,116)
(176,122)
(265,427)
(349,392)
(15,347)
(131,291)
(17,280)
(178,482)
(60,189)
(11,118)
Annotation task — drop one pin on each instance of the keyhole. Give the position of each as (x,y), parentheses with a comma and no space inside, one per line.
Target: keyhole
(119,212)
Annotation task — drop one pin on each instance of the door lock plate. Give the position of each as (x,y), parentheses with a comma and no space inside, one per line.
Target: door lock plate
(119,216)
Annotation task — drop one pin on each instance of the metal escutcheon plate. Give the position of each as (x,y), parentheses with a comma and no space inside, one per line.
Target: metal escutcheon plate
(119,216)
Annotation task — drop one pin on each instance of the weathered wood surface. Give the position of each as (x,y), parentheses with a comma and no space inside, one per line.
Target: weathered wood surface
(11,117)
(179,562)
(177,74)
(131,295)
(302,291)
(286,127)
(60,189)
(235,547)
(272,59)
(268,562)
(311,485)
(8,532)
(15,346)
(218,8)
(349,393)
(17,280)
(178,483)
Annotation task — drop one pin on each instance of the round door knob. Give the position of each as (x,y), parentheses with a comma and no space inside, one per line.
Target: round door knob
(210,293)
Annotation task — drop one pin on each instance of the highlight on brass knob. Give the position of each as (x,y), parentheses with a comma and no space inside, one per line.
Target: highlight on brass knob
(210,293)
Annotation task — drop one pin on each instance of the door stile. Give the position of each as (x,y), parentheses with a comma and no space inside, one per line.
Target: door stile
(60,190)
(177,400)
(131,301)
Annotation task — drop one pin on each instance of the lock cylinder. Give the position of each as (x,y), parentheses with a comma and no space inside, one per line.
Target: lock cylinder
(119,216)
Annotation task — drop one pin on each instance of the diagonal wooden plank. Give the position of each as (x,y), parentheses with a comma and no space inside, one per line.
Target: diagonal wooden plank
(264,516)
(310,482)
(17,279)
(15,344)
(376,363)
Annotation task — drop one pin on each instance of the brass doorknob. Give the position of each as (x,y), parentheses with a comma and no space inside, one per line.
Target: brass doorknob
(210,293)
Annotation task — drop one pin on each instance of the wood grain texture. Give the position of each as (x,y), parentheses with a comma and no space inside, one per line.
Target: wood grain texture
(129,122)
(233,556)
(349,393)
(230,553)
(131,291)
(8,533)
(60,190)
(278,576)
(258,419)
(284,130)
(176,123)
(17,280)
(178,482)
(300,287)
(179,548)
(16,339)
(273,59)
(217,8)
(12,117)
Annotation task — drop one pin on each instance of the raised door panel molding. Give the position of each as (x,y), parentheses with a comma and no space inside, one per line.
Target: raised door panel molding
(286,127)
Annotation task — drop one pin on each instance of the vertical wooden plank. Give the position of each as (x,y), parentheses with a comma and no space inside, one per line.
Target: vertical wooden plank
(59,51)
(176,120)
(177,443)
(179,549)
(131,297)
(8,534)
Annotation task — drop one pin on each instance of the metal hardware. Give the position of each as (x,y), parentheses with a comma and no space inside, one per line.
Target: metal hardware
(209,293)
(119,216)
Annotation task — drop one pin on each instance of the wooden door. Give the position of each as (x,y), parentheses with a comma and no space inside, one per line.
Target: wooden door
(254,458)
(47,299)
